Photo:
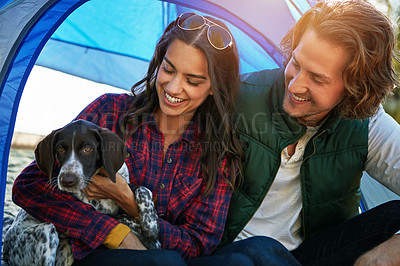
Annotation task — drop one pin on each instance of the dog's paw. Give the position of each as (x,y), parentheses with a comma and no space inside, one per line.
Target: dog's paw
(64,252)
(131,222)
(148,217)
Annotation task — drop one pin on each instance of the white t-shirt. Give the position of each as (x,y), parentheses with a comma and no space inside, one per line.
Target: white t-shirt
(279,214)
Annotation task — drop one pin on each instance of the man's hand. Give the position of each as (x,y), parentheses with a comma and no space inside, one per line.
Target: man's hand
(131,241)
(387,253)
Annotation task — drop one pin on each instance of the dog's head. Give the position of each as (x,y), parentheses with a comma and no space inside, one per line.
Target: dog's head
(81,148)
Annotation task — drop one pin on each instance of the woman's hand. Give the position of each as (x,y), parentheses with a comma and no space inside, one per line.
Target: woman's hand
(131,241)
(101,187)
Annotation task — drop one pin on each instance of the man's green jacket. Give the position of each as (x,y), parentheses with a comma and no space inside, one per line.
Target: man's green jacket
(332,165)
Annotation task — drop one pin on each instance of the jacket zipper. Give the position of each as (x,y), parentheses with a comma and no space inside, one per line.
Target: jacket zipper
(301,181)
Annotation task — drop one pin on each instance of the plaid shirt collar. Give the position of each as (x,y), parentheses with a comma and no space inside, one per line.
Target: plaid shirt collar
(191,134)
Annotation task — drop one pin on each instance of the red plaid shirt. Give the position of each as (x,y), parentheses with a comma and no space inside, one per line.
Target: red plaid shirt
(189,224)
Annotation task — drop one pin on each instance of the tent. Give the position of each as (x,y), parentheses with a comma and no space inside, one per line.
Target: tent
(111,42)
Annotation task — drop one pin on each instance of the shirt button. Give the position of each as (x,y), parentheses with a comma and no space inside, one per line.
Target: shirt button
(161,215)
(162,186)
(169,160)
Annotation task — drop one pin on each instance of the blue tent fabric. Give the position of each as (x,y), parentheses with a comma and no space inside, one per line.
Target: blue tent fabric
(374,193)
(91,39)
(87,46)
(5,3)
(18,72)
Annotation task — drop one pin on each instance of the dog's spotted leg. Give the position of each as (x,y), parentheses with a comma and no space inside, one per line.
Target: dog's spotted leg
(148,218)
(64,252)
(29,242)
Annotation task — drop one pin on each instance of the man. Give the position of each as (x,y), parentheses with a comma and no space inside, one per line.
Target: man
(311,130)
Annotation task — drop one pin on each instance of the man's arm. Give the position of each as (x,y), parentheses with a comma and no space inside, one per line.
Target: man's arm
(383,162)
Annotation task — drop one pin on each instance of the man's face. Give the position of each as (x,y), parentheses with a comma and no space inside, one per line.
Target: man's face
(313,77)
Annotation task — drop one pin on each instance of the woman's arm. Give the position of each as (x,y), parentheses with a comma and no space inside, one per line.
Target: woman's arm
(199,226)
(32,192)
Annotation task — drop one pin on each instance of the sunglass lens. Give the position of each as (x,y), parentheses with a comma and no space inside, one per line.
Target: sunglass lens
(219,37)
(191,21)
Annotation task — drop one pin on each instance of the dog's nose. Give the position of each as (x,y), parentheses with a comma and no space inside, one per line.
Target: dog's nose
(68,180)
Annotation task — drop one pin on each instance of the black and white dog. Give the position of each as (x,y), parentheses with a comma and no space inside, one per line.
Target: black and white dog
(81,149)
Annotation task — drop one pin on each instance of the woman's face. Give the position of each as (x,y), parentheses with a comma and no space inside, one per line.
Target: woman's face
(182,83)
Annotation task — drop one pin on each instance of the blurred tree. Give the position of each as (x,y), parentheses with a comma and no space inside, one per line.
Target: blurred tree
(392,10)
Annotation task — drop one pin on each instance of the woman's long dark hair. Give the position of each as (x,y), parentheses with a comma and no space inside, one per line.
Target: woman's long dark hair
(216,114)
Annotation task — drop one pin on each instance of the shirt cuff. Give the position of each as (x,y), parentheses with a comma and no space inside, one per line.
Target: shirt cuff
(116,236)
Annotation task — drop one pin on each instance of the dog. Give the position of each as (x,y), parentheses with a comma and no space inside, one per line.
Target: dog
(81,149)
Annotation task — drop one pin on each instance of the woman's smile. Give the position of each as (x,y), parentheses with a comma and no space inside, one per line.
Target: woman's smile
(172,100)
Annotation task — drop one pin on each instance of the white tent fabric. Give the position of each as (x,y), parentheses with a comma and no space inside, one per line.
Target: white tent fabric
(374,193)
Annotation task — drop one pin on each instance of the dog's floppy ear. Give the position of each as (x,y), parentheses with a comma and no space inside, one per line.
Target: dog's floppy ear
(113,152)
(44,154)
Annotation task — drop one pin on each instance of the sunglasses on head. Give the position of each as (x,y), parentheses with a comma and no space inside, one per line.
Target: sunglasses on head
(217,36)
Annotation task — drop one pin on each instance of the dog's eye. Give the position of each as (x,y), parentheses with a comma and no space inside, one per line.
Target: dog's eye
(60,149)
(87,149)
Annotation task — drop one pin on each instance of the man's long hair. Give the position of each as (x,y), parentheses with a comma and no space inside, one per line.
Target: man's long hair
(368,36)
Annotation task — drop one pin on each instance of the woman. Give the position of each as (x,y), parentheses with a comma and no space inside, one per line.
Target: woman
(180,137)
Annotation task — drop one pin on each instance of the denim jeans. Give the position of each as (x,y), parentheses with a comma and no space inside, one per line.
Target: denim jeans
(252,251)
(339,245)
(124,257)
(258,250)
(344,243)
